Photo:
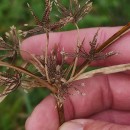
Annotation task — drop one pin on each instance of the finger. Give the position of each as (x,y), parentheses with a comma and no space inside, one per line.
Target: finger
(44,116)
(82,124)
(68,41)
(102,93)
(113,116)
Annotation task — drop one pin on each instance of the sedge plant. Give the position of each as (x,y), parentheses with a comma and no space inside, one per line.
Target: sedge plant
(48,72)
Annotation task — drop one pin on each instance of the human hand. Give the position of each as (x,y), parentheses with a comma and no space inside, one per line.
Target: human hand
(107,101)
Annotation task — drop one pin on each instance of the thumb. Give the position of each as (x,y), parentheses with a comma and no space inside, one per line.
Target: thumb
(88,124)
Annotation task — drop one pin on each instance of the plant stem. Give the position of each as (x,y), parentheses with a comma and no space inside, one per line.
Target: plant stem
(106,44)
(46,57)
(60,109)
(105,70)
(78,74)
(22,70)
(77,52)
(114,38)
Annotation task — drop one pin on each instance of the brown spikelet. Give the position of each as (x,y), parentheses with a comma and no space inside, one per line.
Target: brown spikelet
(69,16)
(48,8)
(38,22)
(10,47)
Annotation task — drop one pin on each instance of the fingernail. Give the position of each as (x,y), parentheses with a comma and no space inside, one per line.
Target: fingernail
(71,126)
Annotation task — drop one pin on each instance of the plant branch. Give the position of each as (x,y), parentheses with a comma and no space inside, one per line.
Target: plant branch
(106,44)
(46,57)
(114,38)
(43,83)
(77,52)
(104,70)
(60,109)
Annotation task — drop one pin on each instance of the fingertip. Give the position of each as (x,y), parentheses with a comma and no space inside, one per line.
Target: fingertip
(87,124)
(78,124)
(28,124)
(43,115)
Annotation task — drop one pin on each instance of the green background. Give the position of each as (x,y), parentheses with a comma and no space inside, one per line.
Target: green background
(18,105)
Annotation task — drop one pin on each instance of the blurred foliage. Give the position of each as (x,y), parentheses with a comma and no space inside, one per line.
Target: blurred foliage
(17,106)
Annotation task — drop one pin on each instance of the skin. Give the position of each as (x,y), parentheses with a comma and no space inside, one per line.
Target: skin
(106,104)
